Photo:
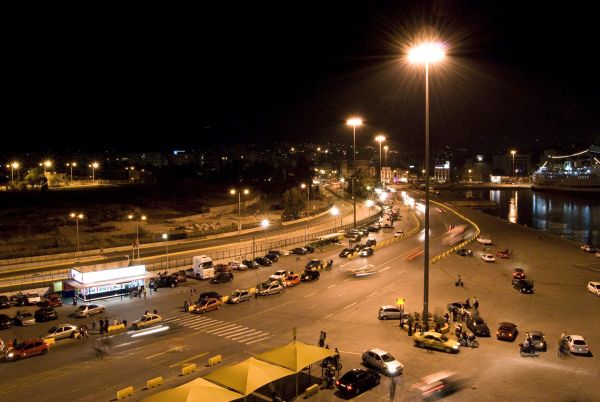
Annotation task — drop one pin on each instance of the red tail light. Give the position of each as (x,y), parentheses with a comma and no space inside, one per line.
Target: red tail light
(349,387)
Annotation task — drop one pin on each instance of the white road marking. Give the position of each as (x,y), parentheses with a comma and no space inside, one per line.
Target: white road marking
(225,325)
(326,317)
(239,333)
(343,265)
(350,305)
(224,329)
(329,287)
(384,269)
(258,340)
(372,294)
(248,335)
(310,294)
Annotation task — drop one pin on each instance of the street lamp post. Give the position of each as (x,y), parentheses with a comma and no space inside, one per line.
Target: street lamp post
(77,217)
(425,54)
(129,170)
(239,193)
(165,237)
(265,224)
(470,177)
(513,152)
(71,165)
(46,164)
(355,121)
(94,166)
(380,138)
(385,149)
(304,186)
(137,231)
(334,212)
(13,166)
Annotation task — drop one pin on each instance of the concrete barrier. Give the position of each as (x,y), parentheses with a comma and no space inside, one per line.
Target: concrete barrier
(124,393)
(115,327)
(155,382)
(312,390)
(50,341)
(191,308)
(214,360)
(190,368)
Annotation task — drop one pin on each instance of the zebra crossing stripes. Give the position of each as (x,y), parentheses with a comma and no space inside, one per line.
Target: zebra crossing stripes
(227,330)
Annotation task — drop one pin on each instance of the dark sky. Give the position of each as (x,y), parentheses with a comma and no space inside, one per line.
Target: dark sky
(519,74)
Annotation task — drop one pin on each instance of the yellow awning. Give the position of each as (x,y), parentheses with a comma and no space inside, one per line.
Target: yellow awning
(295,356)
(198,390)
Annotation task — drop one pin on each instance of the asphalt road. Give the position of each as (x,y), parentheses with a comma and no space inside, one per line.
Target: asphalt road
(345,307)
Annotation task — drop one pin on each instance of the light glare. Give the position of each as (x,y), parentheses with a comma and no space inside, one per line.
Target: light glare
(426,53)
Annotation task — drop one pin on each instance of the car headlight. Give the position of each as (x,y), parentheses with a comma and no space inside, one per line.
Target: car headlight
(11,355)
(455,347)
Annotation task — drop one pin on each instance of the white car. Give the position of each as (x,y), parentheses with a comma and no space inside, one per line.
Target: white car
(236,265)
(382,361)
(483,240)
(62,331)
(89,309)
(594,287)
(146,320)
(488,258)
(271,289)
(398,233)
(33,298)
(277,275)
(577,344)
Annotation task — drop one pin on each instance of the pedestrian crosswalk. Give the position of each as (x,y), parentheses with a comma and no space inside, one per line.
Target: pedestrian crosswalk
(227,330)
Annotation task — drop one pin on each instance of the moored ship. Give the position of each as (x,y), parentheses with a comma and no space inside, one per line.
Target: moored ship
(578,172)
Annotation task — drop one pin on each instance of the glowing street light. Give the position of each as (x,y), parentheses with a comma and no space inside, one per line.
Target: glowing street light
(94,166)
(334,212)
(71,165)
(165,237)
(425,54)
(77,217)
(380,138)
(265,224)
(304,186)
(385,149)
(370,204)
(233,191)
(354,122)
(129,170)
(137,231)
(513,152)
(14,166)
(470,171)
(47,164)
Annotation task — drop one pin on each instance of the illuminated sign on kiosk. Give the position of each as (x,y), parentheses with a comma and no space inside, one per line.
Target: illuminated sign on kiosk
(115,274)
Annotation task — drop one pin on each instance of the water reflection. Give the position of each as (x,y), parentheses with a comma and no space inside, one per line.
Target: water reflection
(513,207)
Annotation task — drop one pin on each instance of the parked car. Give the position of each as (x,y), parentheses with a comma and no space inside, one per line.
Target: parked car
(488,258)
(291,280)
(464,252)
(358,247)
(280,274)
(589,248)
(221,268)
(299,251)
(314,264)
(237,266)
(507,331)
(270,289)
(180,276)
(206,306)
(354,237)
(374,228)
(358,380)
(27,348)
(238,296)
(477,325)
(4,302)
(484,240)
(370,242)
(594,287)
(146,321)
(389,313)
(263,261)
(89,309)
(280,253)
(435,340)
(523,285)
(45,314)
(209,295)
(577,344)
(398,233)
(62,331)
(309,248)
(24,318)
(518,273)
(250,264)
(33,298)
(309,276)
(538,340)
(166,281)
(5,321)
(366,252)
(222,277)
(346,252)
(51,301)
(382,361)
(272,257)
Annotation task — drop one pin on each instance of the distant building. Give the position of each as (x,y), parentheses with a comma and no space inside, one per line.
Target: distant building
(441,172)
(503,164)
(387,175)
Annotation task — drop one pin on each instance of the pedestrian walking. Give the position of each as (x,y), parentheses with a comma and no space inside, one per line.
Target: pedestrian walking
(84,331)
(476,304)
(125,323)
(410,329)
(101,322)
(459,282)
(446,317)
(467,303)
(155,311)
(144,293)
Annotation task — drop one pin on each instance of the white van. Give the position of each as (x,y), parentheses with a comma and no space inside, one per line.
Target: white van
(202,267)
(386,221)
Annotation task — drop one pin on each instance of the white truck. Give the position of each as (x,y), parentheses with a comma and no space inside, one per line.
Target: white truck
(386,221)
(202,268)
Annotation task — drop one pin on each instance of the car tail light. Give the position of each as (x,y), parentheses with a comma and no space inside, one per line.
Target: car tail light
(349,387)
(337,383)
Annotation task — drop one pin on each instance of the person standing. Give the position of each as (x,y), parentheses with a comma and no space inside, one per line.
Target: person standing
(475,303)
(446,317)
(101,322)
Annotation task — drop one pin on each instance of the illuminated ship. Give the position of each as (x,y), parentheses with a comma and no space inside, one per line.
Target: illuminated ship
(579,172)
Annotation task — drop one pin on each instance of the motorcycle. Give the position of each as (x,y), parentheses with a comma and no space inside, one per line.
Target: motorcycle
(470,341)
(329,264)
(528,352)
(329,377)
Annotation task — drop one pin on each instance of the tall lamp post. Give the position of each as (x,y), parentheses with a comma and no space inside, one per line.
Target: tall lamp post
(425,54)
(94,166)
(233,191)
(13,166)
(385,150)
(71,165)
(342,180)
(47,164)
(354,122)
(513,152)
(265,224)
(304,186)
(334,212)
(129,170)
(137,231)
(380,138)
(77,217)
(165,237)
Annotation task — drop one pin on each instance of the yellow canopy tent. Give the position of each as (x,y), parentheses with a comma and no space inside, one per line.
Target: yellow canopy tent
(249,375)
(198,390)
(295,356)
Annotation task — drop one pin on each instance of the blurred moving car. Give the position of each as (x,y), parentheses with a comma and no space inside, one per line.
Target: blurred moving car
(269,289)
(507,331)
(503,254)
(484,240)
(437,385)
(374,228)
(221,277)
(291,280)
(366,252)
(358,380)
(309,276)
(398,233)
(146,321)
(309,248)
(89,309)
(594,287)
(538,340)
(28,348)
(24,318)
(45,314)
(346,252)
(464,252)
(382,361)
(488,258)
(314,264)
(62,331)
(588,248)
(523,285)
(238,296)
(5,321)
(370,242)
(237,266)
(518,273)
(577,344)
(206,306)
(435,340)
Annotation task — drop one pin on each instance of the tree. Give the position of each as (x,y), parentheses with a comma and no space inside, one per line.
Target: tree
(362,180)
(293,204)
(36,177)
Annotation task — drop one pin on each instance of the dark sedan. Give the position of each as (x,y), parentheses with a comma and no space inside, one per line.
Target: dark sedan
(346,252)
(272,256)
(309,276)
(299,251)
(4,302)
(358,380)
(523,285)
(5,321)
(250,264)
(309,248)
(463,252)
(209,295)
(45,314)
(538,340)
(222,277)
(478,326)
(507,331)
(263,261)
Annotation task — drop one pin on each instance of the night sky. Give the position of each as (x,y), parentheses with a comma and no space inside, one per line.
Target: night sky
(518,75)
